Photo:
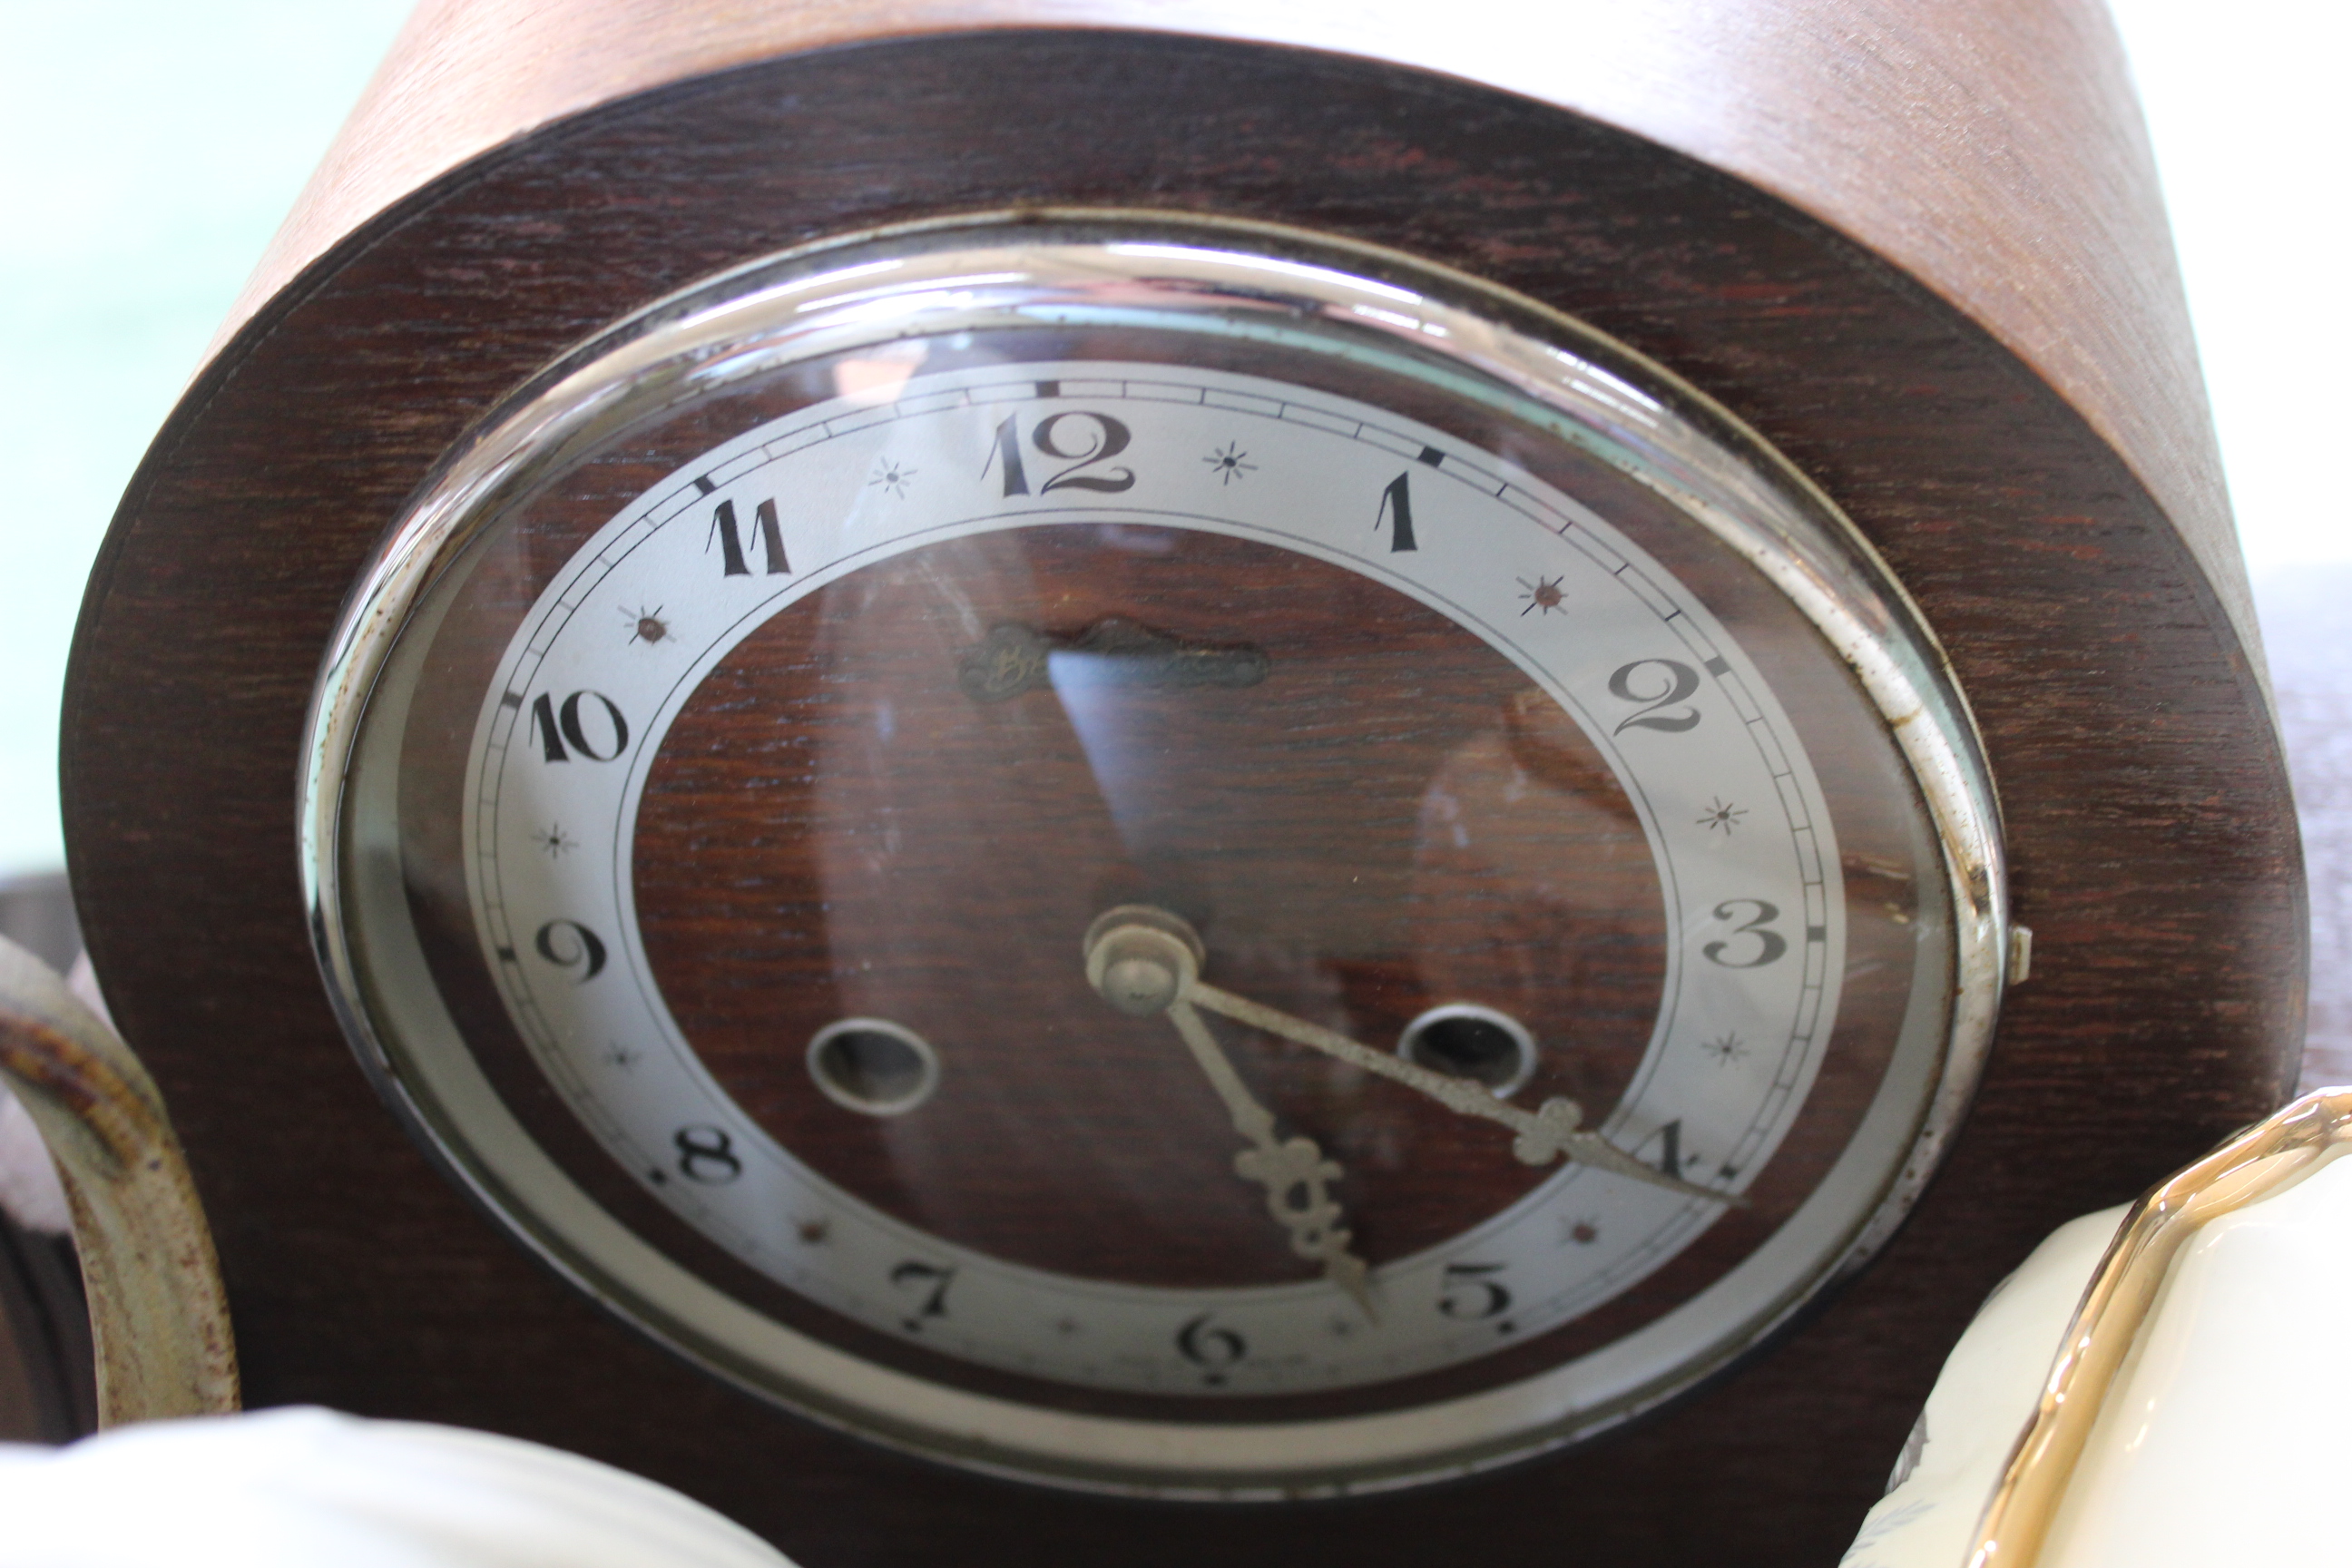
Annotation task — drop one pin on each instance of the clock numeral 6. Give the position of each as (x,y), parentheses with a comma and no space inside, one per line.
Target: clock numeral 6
(1467,1291)
(707,1155)
(553,726)
(1770,944)
(1673,682)
(1088,439)
(1213,1347)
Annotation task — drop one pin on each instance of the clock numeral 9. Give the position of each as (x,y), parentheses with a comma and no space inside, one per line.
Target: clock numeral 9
(581,948)
(552,726)
(1770,944)
(707,1155)
(931,1281)
(1467,1291)
(1212,1348)
(1680,680)
(1088,439)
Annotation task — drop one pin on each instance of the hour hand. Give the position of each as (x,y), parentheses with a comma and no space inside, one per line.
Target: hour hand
(1292,1170)
(1130,949)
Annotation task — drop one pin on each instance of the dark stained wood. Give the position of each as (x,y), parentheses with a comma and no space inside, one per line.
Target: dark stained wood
(2153,844)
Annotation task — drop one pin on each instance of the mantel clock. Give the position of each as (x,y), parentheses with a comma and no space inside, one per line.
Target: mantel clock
(1078,782)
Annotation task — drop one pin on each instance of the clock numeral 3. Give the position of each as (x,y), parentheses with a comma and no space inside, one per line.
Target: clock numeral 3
(552,727)
(1770,944)
(1681,681)
(707,1155)
(1081,439)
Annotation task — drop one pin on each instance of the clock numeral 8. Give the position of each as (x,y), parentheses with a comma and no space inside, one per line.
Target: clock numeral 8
(707,1155)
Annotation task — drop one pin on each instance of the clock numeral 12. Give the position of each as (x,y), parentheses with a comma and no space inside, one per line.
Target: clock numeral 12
(1106,440)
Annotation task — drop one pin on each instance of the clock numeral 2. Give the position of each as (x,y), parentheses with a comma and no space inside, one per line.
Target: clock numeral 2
(1467,1291)
(730,542)
(1681,681)
(931,1281)
(552,726)
(1107,440)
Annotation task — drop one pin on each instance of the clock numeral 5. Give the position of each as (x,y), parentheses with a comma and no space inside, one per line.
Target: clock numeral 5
(1468,1291)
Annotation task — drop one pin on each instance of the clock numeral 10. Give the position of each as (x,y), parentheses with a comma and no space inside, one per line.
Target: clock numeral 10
(930,1282)
(1082,439)
(553,726)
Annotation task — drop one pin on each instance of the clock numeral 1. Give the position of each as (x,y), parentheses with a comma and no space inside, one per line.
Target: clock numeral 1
(552,726)
(930,1282)
(730,542)
(1468,1291)
(1396,503)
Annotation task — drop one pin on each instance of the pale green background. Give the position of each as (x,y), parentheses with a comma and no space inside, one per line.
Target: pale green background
(152,147)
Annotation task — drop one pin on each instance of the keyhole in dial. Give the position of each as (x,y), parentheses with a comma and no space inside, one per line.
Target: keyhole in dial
(1463,1039)
(874,1065)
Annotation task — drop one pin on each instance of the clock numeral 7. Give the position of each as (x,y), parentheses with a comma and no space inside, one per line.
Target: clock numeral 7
(930,1282)
(1083,441)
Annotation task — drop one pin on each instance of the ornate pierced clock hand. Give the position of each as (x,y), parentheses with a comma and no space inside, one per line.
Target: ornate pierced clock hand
(1292,1170)
(1146,961)
(1140,959)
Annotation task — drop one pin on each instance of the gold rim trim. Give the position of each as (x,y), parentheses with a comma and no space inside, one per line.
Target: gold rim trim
(2260,1163)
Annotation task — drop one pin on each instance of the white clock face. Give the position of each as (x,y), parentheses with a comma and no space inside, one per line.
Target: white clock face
(1049,857)
(911,502)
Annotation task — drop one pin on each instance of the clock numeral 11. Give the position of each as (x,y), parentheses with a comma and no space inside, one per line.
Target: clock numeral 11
(729,539)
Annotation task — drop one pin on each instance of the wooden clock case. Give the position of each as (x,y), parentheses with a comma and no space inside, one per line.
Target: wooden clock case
(1915,247)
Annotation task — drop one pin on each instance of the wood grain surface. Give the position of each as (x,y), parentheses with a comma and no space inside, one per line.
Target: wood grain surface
(2150,828)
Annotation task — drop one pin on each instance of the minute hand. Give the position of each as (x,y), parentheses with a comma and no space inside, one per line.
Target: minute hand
(1549,1131)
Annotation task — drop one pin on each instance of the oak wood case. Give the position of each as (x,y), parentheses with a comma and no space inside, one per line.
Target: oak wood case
(2151,838)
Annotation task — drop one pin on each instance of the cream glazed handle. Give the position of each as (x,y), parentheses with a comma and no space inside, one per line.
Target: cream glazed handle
(158,1311)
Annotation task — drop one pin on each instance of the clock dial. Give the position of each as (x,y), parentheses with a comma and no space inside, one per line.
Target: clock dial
(1234,875)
